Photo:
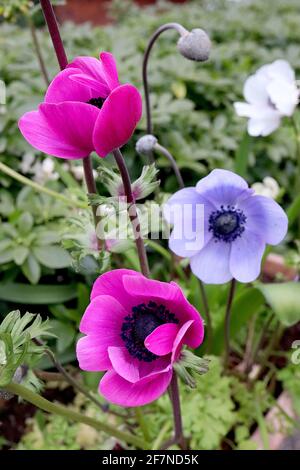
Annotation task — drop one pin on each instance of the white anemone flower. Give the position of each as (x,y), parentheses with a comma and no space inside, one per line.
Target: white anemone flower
(268,187)
(271,93)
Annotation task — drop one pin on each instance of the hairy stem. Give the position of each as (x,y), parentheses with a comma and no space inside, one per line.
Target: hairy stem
(39,188)
(133,215)
(61,410)
(181,30)
(227,322)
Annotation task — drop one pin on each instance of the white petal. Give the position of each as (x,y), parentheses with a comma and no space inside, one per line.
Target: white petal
(284,96)
(282,69)
(255,89)
(264,126)
(244,109)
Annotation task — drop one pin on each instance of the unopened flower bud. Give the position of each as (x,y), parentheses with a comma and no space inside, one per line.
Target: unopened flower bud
(195,45)
(145,145)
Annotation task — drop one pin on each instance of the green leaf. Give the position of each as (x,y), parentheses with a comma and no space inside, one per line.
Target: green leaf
(31,269)
(284,298)
(46,237)
(242,155)
(245,305)
(7,256)
(33,295)
(20,254)
(25,223)
(52,256)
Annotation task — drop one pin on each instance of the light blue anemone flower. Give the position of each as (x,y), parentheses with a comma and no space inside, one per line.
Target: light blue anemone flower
(230,239)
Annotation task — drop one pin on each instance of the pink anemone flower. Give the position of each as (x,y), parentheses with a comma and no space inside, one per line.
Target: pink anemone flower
(135,329)
(85,109)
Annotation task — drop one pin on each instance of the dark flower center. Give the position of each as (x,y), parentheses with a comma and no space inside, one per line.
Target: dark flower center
(227,224)
(138,325)
(98,102)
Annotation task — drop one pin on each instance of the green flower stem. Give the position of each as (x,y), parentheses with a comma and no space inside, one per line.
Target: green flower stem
(38,51)
(167,255)
(297,139)
(227,322)
(142,423)
(42,189)
(207,317)
(61,410)
(163,151)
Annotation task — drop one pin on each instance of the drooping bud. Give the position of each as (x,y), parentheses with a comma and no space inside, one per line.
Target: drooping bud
(145,145)
(195,45)
(188,364)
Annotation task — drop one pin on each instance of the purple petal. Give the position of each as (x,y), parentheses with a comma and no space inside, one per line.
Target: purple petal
(265,218)
(117,119)
(121,392)
(64,130)
(211,264)
(246,255)
(161,340)
(222,187)
(189,213)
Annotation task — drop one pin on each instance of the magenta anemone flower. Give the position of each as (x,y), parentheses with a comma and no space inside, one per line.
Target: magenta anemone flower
(85,109)
(135,329)
(229,240)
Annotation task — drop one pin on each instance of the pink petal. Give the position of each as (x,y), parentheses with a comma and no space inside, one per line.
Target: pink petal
(92,353)
(117,119)
(91,67)
(110,69)
(124,364)
(104,317)
(98,90)
(161,340)
(63,130)
(170,295)
(111,283)
(180,339)
(121,392)
(132,369)
(63,88)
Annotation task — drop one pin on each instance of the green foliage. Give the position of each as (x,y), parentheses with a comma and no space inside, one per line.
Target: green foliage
(284,298)
(16,343)
(26,242)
